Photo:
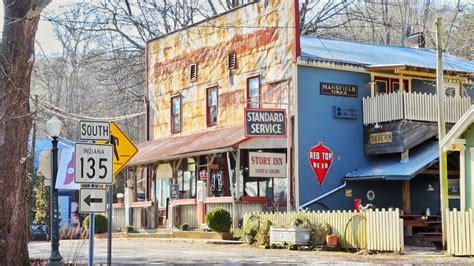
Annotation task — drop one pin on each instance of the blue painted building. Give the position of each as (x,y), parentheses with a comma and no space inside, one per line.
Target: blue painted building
(374,107)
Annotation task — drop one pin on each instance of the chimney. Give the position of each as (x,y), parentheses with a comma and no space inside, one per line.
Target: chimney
(416,40)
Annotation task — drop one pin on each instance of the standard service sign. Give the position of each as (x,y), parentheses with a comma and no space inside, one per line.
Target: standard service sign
(93,163)
(265,123)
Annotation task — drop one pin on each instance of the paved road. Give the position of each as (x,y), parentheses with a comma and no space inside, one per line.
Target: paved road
(161,251)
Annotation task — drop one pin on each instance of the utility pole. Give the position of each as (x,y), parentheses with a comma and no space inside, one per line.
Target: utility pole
(443,170)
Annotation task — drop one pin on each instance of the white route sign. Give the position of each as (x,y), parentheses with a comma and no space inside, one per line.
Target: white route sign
(93,163)
(94,130)
(92,200)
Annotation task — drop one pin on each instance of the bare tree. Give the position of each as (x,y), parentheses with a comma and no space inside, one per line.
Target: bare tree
(16,62)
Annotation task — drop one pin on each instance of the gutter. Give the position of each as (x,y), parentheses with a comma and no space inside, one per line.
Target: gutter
(323,196)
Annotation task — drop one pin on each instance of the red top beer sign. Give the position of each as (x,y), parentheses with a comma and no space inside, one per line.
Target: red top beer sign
(320,158)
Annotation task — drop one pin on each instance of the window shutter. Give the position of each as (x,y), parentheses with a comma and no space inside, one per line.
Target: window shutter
(232,60)
(193,72)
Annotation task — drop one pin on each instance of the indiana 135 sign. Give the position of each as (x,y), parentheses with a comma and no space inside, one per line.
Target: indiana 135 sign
(320,158)
(93,163)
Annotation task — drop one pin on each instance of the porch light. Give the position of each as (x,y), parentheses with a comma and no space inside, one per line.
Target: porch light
(429,188)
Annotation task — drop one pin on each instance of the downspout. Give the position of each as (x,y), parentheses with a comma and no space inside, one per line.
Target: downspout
(323,196)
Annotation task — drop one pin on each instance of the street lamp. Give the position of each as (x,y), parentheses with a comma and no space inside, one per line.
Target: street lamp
(54,128)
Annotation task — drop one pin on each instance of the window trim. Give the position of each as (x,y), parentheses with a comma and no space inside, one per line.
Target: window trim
(208,113)
(259,92)
(173,130)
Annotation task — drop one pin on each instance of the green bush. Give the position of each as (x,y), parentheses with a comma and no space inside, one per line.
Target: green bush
(219,220)
(130,229)
(100,225)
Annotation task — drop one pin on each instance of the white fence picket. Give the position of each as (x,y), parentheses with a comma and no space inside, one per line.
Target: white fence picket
(373,230)
(460,232)
(412,106)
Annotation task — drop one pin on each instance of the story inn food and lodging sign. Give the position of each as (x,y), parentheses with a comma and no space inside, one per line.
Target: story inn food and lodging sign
(265,123)
(336,89)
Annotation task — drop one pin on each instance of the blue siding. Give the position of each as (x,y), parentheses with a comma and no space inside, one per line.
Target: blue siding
(317,124)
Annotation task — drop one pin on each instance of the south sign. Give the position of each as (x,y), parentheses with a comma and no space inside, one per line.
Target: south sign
(265,123)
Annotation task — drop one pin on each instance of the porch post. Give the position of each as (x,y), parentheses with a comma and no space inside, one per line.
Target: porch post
(462,177)
(406,197)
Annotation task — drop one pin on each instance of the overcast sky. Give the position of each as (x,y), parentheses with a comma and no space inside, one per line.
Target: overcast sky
(45,36)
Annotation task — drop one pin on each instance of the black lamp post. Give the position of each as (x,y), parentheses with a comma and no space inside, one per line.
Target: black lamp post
(54,128)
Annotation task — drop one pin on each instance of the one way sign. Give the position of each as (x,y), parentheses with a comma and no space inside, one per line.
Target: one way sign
(92,200)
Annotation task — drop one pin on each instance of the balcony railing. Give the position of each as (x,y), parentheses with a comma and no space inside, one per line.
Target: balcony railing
(412,106)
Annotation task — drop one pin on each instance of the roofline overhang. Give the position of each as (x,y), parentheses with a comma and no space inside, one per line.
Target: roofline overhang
(181,156)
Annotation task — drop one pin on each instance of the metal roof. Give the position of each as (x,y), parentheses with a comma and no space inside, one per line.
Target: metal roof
(165,149)
(375,54)
(391,168)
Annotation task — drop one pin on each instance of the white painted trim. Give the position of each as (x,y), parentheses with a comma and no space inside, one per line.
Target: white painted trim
(462,177)
(464,122)
(330,65)
(296,174)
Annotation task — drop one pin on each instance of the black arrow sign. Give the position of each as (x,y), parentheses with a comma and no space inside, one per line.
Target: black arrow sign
(90,200)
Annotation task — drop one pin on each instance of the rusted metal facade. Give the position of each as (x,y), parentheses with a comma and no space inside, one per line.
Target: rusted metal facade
(262,36)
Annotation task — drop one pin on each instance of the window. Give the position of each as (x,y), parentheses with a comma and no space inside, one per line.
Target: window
(211,108)
(253,92)
(381,87)
(176,114)
(232,60)
(193,72)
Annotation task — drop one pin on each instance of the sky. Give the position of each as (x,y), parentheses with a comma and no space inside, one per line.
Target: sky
(45,36)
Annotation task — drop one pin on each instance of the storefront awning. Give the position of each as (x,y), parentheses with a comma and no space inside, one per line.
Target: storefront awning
(207,142)
(391,168)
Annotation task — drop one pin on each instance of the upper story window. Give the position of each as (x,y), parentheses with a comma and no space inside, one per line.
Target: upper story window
(176,114)
(232,60)
(211,106)
(253,92)
(193,72)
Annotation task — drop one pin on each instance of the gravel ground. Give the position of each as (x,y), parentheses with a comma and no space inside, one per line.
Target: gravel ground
(163,251)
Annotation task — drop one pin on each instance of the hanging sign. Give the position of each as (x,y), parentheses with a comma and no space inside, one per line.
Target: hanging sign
(268,123)
(320,158)
(266,164)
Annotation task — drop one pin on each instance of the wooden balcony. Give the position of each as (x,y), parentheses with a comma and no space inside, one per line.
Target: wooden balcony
(411,107)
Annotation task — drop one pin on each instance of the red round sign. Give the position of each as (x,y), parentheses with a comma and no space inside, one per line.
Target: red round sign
(320,158)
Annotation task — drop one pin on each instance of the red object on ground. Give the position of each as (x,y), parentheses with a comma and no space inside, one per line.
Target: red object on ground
(331,240)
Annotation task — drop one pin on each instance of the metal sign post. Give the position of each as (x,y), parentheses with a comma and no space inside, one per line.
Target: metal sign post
(109,225)
(91,238)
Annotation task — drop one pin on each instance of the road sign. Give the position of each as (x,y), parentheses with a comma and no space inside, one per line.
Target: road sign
(92,200)
(93,163)
(94,130)
(124,149)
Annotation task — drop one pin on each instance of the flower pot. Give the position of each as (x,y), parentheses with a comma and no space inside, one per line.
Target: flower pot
(331,240)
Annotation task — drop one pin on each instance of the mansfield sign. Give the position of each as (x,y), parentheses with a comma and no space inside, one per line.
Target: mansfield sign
(265,123)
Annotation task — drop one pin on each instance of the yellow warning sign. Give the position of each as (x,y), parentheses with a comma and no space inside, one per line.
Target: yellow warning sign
(124,149)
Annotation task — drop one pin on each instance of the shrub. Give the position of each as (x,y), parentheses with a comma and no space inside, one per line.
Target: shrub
(130,229)
(219,220)
(100,225)
(184,227)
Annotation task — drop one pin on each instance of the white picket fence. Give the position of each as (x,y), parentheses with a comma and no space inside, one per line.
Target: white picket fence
(378,230)
(460,232)
(412,106)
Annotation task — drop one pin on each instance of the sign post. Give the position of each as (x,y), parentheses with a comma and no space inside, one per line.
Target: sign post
(93,165)
(123,151)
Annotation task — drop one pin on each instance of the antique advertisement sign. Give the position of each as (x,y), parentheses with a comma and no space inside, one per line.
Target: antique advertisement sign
(265,123)
(336,89)
(320,158)
(379,138)
(264,164)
